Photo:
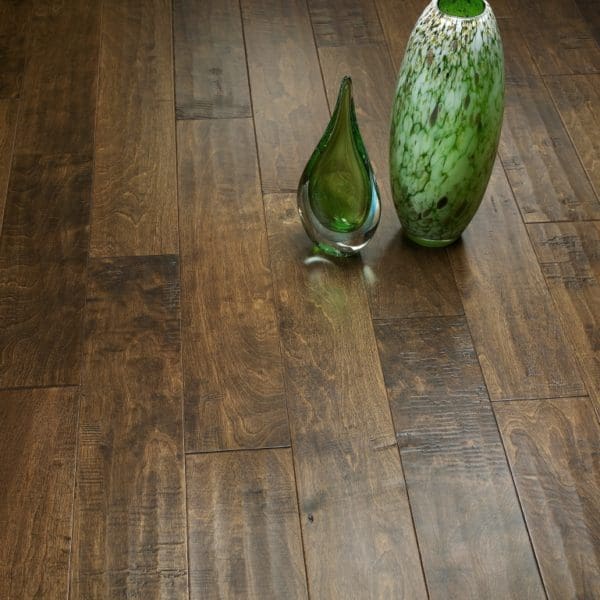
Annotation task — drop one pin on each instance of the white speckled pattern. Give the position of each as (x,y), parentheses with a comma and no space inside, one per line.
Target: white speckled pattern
(446,123)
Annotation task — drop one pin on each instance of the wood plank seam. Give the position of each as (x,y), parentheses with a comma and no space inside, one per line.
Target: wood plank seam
(180,279)
(314,34)
(514,484)
(269,254)
(562,120)
(512,475)
(510,470)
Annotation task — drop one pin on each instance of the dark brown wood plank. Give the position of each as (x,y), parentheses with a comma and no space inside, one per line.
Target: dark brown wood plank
(14,21)
(8,122)
(568,254)
(345,22)
(245,539)
(541,164)
(402,280)
(234,391)
(210,64)
(560,40)
(135,181)
(553,449)
(357,530)
(290,109)
(58,96)
(590,10)
(43,254)
(540,161)
(578,101)
(519,66)
(129,519)
(467,516)
(397,21)
(516,330)
(37,445)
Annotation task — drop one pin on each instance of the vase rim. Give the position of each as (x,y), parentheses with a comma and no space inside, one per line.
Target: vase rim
(486,9)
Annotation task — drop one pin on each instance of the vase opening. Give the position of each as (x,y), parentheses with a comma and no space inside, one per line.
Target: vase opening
(462,8)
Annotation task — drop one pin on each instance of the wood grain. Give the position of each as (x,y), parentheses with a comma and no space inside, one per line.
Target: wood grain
(467,517)
(568,254)
(290,109)
(539,159)
(519,66)
(345,22)
(129,525)
(516,331)
(560,40)
(553,449)
(578,101)
(37,445)
(43,254)
(211,80)
(58,97)
(590,10)
(397,21)
(541,164)
(14,21)
(245,537)
(234,391)
(8,122)
(402,279)
(135,181)
(357,530)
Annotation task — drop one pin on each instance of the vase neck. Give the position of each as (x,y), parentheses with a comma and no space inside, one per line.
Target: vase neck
(461,8)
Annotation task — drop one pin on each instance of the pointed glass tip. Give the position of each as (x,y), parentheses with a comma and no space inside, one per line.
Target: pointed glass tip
(338,199)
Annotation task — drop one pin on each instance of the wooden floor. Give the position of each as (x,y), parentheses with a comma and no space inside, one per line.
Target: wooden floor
(191,403)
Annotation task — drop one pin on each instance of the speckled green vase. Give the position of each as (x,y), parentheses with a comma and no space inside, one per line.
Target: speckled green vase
(446,119)
(338,199)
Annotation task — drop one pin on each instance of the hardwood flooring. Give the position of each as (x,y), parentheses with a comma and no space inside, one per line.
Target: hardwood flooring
(195,405)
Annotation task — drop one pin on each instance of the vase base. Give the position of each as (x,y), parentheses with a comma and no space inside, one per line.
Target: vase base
(322,248)
(427,242)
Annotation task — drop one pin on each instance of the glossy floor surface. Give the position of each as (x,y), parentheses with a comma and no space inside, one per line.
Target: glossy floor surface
(192,404)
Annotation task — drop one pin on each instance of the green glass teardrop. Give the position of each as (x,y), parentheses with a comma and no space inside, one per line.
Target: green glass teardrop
(338,199)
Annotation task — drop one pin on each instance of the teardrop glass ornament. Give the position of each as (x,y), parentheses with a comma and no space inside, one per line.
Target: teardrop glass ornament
(338,199)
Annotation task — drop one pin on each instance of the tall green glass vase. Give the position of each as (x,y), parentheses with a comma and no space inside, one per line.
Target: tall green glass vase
(446,119)
(338,199)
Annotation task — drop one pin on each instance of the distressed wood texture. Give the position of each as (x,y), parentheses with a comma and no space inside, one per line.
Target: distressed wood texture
(570,259)
(43,254)
(8,122)
(578,100)
(541,164)
(402,279)
(37,445)
(135,181)
(210,63)
(590,10)
(540,161)
(14,20)
(58,97)
(397,21)
(234,392)
(515,326)
(358,536)
(467,516)
(245,539)
(560,40)
(554,451)
(129,536)
(345,22)
(290,109)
